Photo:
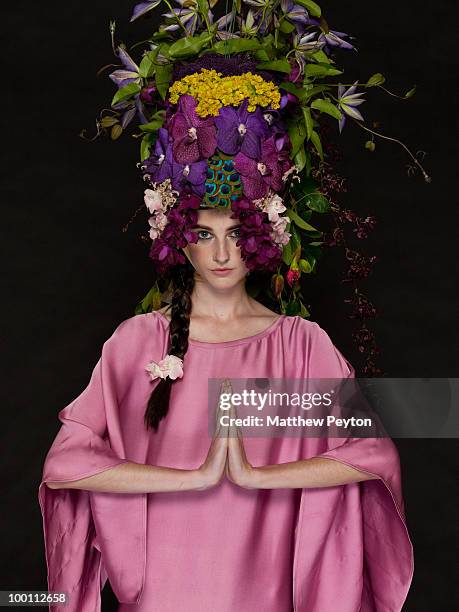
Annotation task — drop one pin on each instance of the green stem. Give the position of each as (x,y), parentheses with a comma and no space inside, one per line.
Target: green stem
(176,18)
(427,178)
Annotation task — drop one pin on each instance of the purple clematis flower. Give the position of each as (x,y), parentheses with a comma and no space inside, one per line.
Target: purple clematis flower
(240,130)
(295,13)
(189,16)
(259,176)
(347,101)
(194,136)
(130,74)
(143,8)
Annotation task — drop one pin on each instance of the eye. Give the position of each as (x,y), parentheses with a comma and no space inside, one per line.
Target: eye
(236,233)
(203,237)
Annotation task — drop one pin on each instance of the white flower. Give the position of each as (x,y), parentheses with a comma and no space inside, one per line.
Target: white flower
(171,366)
(273,207)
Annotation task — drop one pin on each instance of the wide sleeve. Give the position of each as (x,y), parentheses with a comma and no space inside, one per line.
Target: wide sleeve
(369,515)
(80,449)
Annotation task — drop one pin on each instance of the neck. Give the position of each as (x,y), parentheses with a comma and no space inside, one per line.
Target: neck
(223,305)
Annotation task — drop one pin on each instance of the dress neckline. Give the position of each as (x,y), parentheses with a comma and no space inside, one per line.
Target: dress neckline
(228,343)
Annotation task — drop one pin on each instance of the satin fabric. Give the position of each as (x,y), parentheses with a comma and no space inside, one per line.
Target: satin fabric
(343,548)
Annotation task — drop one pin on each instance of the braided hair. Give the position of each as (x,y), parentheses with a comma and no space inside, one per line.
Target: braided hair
(182,285)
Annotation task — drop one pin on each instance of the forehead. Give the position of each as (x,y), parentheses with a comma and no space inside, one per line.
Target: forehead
(216,217)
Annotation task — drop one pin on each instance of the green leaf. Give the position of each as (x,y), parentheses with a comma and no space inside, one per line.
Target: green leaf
(324,106)
(300,159)
(286,26)
(308,121)
(287,253)
(145,145)
(293,308)
(162,78)
(152,301)
(411,93)
(184,47)
(309,93)
(297,134)
(236,45)
(304,312)
(262,56)
(280,65)
(317,201)
(300,222)
(312,7)
(125,93)
(320,56)
(375,79)
(321,69)
(147,65)
(315,139)
(153,126)
(293,89)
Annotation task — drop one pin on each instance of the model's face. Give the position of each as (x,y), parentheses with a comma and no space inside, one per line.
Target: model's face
(215,256)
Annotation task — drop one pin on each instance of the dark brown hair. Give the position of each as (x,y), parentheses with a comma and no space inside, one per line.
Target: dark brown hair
(182,277)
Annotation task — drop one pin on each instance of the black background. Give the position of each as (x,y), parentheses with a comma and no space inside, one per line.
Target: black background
(71,275)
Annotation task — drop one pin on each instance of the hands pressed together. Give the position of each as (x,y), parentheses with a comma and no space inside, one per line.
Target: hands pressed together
(227,454)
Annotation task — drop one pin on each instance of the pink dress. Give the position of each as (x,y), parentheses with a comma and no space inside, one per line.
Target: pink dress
(227,548)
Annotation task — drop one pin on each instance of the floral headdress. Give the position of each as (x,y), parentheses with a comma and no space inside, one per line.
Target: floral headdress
(235,112)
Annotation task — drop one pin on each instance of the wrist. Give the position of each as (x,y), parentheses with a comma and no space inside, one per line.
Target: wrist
(201,480)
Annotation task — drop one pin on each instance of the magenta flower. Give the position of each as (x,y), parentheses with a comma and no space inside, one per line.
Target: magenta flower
(258,250)
(194,138)
(259,176)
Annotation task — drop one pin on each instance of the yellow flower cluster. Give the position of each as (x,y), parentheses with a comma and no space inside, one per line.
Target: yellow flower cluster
(212,91)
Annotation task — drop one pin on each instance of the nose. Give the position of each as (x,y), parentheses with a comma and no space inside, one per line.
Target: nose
(221,254)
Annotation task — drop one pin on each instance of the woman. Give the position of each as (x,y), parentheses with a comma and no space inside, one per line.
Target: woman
(135,489)
(222,535)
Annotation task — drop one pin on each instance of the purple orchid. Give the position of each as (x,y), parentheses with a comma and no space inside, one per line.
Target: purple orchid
(240,130)
(258,177)
(162,165)
(347,101)
(194,137)
(190,176)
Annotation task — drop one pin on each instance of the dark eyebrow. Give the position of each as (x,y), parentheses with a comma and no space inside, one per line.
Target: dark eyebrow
(209,228)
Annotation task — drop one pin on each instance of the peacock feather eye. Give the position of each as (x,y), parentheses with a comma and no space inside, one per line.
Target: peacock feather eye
(223,183)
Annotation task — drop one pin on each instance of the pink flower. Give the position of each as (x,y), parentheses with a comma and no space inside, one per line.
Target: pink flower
(292,277)
(171,366)
(153,200)
(279,235)
(157,222)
